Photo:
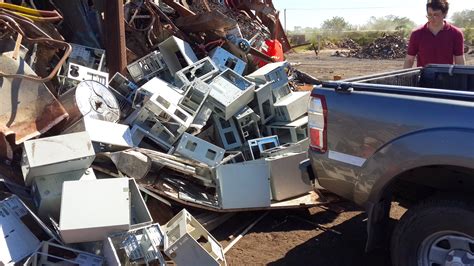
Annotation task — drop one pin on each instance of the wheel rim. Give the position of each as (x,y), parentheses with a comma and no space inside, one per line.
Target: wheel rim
(447,248)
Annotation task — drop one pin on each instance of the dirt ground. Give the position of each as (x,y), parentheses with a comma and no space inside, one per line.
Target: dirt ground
(313,236)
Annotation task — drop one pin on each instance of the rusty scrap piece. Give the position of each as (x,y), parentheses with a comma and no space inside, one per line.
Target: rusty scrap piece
(205,22)
(115,36)
(27,107)
(174,29)
(11,25)
(182,10)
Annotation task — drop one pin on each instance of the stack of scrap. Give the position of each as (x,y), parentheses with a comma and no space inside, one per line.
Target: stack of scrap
(200,114)
(389,46)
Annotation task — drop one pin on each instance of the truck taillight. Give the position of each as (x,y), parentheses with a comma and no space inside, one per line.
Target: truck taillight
(317,123)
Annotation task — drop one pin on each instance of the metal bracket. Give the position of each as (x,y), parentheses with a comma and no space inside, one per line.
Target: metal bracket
(203,69)
(177,54)
(289,132)
(265,103)
(225,60)
(257,146)
(228,134)
(247,122)
(197,149)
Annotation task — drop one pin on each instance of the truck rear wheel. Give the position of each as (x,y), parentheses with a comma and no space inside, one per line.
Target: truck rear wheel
(435,232)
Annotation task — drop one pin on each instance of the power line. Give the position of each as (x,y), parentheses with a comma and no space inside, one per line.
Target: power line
(342,8)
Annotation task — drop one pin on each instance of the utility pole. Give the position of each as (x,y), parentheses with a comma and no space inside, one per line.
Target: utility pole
(284,19)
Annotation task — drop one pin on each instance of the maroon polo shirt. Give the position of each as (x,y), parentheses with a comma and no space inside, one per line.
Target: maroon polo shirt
(436,49)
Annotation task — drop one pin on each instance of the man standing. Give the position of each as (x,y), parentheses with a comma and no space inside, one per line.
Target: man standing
(437,42)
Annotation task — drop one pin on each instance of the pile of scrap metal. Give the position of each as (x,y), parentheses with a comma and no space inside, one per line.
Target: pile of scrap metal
(388,46)
(200,116)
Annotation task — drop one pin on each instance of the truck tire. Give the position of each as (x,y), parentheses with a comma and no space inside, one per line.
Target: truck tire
(437,231)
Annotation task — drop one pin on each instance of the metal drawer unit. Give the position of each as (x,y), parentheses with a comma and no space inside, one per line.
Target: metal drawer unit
(281,92)
(230,92)
(56,154)
(80,73)
(22,231)
(203,69)
(147,125)
(265,102)
(257,146)
(189,243)
(197,149)
(301,146)
(272,72)
(169,114)
(195,96)
(292,106)
(289,132)
(141,245)
(87,215)
(228,133)
(47,191)
(158,86)
(225,60)
(177,54)
(243,185)
(247,122)
(54,254)
(286,179)
(146,67)
(123,86)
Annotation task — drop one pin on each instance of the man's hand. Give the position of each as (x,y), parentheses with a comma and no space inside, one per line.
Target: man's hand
(459,60)
(409,60)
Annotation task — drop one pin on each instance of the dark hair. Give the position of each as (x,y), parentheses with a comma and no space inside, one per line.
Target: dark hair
(442,5)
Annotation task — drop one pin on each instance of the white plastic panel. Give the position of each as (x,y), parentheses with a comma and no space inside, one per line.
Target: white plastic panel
(87,215)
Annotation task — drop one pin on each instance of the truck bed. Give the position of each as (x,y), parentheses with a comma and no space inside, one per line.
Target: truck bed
(365,115)
(446,77)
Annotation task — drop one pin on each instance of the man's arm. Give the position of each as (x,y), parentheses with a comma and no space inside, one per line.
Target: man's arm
(409,60)
(459,60)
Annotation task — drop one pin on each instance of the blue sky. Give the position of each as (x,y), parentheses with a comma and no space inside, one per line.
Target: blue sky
(311,13)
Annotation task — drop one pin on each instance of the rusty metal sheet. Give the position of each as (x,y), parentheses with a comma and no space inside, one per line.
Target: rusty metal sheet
(205,21)
(27,107)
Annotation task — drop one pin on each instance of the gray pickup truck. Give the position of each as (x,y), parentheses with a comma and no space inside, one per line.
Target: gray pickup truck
(406,136)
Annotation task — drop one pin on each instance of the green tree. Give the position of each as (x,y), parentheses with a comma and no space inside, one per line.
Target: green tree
(464,19)
(389,22)
(336,24)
